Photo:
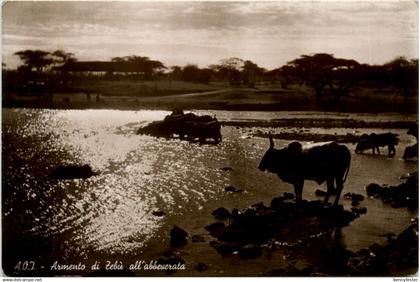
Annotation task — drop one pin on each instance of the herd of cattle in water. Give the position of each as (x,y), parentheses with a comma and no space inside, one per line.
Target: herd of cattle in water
(186,126)
(321,162)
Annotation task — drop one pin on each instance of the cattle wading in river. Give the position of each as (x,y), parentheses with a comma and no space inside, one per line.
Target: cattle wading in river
(186,127)
(319,162)
(411,152)
(374,141)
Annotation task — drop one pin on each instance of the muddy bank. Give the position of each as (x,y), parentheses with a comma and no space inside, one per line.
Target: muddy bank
(320,123)
(348,138)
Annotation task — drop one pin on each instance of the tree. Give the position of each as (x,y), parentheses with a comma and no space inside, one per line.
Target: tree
(61,57)
(344,75)
(323,70)
(205,75)
(195,74)
(403,74)
(230,69)
(138,65)
(286,76)
(176,72)
(251,72)
(35,59)
(190,73)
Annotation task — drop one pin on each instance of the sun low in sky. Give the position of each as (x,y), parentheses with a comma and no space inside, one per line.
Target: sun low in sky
(203,33)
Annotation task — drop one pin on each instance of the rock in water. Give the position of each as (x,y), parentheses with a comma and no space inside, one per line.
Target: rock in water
(72,172)
(198,239)
(373,190)
(354,197)
(249,228)
(158,213)
(227,168)
(383,260)
(232,189)
(221,213)
(402,195)
(225,248)
(250,251)
(214,226)
(277,202)
(358,211)
(178,237)
(215,229)
(288,196)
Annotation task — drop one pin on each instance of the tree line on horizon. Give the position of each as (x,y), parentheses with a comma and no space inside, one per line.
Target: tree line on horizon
(321,72)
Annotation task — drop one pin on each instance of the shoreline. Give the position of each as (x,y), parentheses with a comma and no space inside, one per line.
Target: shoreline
(136,106)
(286,119)
(220,99)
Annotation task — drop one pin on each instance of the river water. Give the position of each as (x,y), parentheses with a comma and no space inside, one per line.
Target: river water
(110,215)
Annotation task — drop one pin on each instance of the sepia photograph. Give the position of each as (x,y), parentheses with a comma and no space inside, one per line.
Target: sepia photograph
(210,139)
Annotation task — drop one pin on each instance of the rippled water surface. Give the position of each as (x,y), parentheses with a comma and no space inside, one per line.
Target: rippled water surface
(111,213)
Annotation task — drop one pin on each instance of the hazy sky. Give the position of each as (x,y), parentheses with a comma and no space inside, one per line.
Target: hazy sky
(268,33)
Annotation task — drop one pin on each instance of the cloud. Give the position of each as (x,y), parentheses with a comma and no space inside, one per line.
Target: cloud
(213,30)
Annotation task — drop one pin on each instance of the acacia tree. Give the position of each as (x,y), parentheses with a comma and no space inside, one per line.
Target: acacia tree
(138,64)
(229,69)
(251,72)
(61,57)
(35,59)
(176,72)
(403,74)
(192,72)
(323,70)
(344,75)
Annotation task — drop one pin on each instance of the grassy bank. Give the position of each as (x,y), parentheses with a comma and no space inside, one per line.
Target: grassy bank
(165,94)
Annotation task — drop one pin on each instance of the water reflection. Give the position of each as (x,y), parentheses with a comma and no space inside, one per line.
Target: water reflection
(138,174)
(112,212)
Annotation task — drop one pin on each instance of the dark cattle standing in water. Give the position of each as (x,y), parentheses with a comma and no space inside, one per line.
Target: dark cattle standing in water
(319,162)
(155,128)
(205,130)
(72,172)
(176,124)
(374,141)
(411,152)
(185,126)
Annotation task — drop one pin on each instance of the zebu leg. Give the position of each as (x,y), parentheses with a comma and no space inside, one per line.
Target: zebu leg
(330,189)
(340,186)
(298,185)
(391,150)
(219,138)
